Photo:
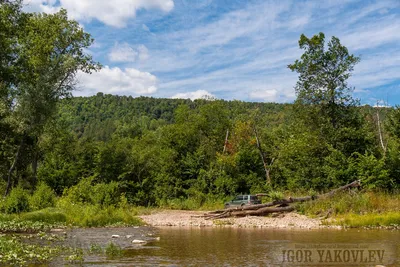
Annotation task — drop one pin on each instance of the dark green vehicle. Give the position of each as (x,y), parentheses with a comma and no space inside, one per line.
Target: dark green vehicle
(242,200)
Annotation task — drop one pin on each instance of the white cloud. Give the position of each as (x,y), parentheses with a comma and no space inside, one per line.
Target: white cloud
(128,81)
(126,53)
(114,13)
(143,52)
(269,95)
(47,6)
(254,19)
(194,95)
(369,36)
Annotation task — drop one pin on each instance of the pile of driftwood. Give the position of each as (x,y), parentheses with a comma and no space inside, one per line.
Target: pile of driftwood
(282,205)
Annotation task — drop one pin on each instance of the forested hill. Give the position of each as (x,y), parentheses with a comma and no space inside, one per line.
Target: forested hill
(160,149)
(99,116)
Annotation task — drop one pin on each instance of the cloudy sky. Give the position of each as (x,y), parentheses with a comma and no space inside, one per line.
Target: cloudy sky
(230,49)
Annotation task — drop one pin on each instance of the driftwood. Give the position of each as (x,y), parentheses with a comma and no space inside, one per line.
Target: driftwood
(282,205)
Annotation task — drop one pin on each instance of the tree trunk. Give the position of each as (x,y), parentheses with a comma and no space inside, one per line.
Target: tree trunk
(267,176)
(226,141)
(11,170)
(380,131)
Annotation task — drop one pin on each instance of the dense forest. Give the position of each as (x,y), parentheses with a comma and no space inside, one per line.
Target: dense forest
(154,150)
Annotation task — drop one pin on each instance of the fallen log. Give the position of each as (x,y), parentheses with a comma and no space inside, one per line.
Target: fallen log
(259,212)
(270,207)
(265,205)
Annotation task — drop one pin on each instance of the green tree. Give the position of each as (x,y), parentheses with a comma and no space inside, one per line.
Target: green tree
(324,99)
(50,54)
(323,73)
(332,125)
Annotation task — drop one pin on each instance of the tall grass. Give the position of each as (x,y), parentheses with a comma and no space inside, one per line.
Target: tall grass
(356,203)
(389,219)
(356,209)
(89,215)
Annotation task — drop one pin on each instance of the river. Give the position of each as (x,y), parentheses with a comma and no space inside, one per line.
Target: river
(226,246)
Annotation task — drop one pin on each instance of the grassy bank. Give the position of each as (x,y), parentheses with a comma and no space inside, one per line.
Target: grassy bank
(18,250)
(70,215)
(361,209)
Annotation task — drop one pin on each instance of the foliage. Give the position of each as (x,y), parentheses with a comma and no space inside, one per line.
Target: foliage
(323,74)
(356,203)
(388,220)
(43,197)
(17,201)
(50,215)
(113,250)
(371,171)
(13,225)
(88,215)
(15,252)
(393,122)
(45,51)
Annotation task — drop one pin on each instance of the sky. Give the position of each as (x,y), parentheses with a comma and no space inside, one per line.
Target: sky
(230,49)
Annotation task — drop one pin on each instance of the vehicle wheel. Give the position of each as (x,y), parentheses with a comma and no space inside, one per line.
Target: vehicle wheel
(242,205)
(227,206)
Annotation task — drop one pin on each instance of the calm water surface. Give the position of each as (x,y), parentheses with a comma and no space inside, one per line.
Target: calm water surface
(261,247)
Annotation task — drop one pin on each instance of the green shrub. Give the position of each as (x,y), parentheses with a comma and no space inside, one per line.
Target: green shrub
(17,201)
(99,194)
(43,197)
(80,193)
(113,251)
(106,194)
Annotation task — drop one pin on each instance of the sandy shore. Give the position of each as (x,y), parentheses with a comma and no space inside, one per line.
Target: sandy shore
(188,218)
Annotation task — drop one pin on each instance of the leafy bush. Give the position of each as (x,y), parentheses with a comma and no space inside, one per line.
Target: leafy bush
(372,171)
(80,193)
(43,197)
(106,194)
(17,201)
(113,250)
(99,194)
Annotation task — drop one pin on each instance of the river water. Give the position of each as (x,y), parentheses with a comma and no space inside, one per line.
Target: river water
(227,246)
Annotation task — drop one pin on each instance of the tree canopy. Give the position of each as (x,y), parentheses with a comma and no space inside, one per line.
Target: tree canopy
(42,54)
(323,71)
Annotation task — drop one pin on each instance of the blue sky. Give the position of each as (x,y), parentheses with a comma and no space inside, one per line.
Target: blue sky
(230,49)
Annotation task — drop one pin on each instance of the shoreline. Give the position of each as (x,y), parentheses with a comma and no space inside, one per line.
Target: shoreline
(184,218)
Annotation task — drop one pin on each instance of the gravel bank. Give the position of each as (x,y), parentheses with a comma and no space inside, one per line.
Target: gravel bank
(187,218)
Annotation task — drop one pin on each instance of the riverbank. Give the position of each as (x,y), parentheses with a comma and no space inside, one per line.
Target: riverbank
(182,218)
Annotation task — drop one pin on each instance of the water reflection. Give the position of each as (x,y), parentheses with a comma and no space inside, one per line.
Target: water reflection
(254,247)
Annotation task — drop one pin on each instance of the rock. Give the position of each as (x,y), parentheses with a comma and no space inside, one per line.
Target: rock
(57,230)
(138,241)
(115,236)
(129,236)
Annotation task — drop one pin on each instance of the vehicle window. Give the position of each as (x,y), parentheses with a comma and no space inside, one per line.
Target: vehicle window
(239,198)
(253,198)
